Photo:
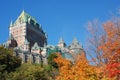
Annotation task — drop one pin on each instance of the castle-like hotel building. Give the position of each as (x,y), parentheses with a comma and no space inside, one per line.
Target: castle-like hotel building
(29,41)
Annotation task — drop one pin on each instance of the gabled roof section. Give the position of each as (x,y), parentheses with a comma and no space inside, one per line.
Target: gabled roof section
(35,46)
(24,17)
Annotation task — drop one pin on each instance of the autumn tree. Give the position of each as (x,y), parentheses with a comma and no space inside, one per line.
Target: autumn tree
(106,45)
(111,48)
(80,70)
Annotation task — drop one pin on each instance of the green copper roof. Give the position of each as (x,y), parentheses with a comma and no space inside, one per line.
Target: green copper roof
(24,17)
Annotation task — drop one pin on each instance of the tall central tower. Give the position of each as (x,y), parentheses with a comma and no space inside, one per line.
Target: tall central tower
(27,28)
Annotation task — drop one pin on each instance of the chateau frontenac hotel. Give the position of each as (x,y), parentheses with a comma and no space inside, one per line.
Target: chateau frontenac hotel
(29,41)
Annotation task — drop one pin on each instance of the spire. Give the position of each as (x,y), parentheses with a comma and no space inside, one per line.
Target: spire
(61,41)
(11,23)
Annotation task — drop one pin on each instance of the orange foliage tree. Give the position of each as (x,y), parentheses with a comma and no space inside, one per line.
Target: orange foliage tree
(80,70)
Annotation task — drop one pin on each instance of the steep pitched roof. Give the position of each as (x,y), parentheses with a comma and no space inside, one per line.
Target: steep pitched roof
(35,47)
(75,44)
(24,17)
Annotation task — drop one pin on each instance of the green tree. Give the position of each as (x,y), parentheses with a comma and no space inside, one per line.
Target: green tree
(51,61)
(29,71)
(8,62)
